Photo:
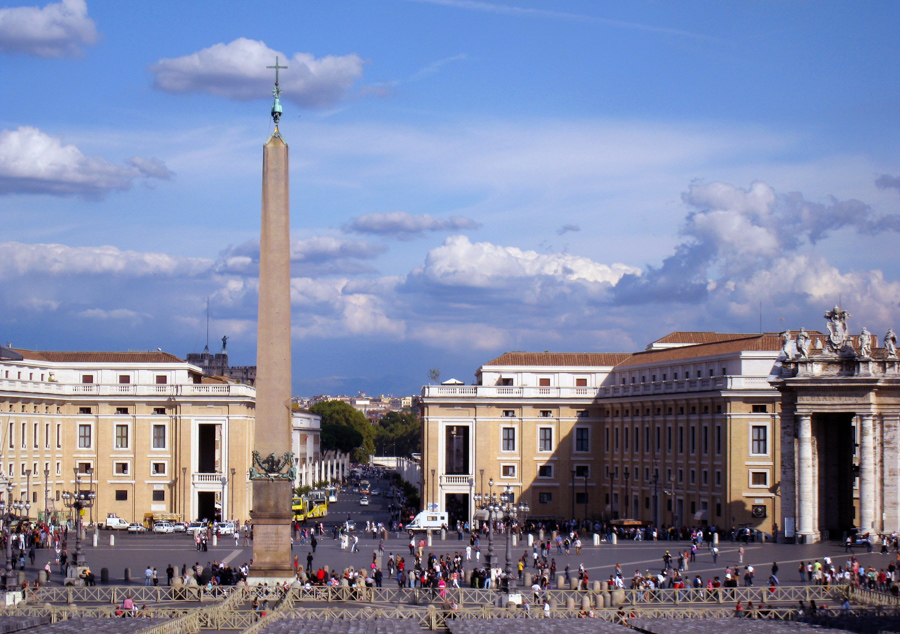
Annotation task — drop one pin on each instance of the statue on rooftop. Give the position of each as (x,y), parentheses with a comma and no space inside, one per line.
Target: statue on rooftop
(837,329)
(802,344)
(865,343)
(890,344)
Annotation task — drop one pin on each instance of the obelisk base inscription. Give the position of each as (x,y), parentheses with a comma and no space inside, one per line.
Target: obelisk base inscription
(272,559)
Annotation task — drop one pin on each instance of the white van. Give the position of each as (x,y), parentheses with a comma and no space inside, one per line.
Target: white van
(427,520)
(114,522)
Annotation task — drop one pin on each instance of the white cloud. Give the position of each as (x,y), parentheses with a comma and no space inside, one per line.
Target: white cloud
(237,70)
(458,262)
(57,30)
(17,259)
(406,226)
(320,255)
(33,162)
(120,314)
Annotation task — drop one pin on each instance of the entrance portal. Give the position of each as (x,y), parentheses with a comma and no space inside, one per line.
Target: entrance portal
(457,505)
(834,442)
(206,505)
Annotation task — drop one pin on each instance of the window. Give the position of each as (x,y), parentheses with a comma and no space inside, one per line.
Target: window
(158,468)
(582,413)
(509,439)
(668,439)
(545,413)
(58,436)
(508,471)
(615,439)
(121,410)
(681,476)
(46,435)
(84,410)
(121,436)
(121,468)
(159,436)
(544,382)
(681,440)
(718,439)
(693,476)
(84,436)
(693,439)
(545,497)
(159,496)
(759,439)
(87,378)
(159,411)
(58,469)
(637,439)
(508,413)
(705,440)
(718,478)
(506,382)
(581,497)
(759,409)
(759,478)
(580,382)
(24,432)
(121,495)
(582,439)
(35,437)
(84,467)
(582,471)
(545,442)
(705,477)
(124,379)
(545,471)
(161,379)
(12,431)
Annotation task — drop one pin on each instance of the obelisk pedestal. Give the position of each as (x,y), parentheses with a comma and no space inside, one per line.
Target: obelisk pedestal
(272,472)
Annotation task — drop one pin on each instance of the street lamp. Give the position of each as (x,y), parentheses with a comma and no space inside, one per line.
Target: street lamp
(612,495)
(655,483)
(78,500)
(510,511)
(231,497)
(28,490)
(6,510)
(573,495)
(488,502)
(222,511)
(585,497)
(627,494)
(433,493)
(46,494)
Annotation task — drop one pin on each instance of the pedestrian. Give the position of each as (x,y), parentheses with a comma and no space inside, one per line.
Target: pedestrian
(309,561)
(313,542)
(802,571)
(148,576)
(715,554)
(170,574)
(155,577)
(741,554)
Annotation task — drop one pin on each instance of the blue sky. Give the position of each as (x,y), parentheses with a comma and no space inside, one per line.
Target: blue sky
(467,177)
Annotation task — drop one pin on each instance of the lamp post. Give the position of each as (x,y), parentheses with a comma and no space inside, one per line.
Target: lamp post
(433,503)
(46,495)
(627,494)
(612,494)
(78,500)
(223,508)
(585,497)
(184,494)
(488,502)
(510,511)
(573,495)
(231,497)
(655,482)
(6,510)
(28,490)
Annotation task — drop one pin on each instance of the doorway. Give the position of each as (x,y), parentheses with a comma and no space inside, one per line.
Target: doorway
(457,505)
(206,505)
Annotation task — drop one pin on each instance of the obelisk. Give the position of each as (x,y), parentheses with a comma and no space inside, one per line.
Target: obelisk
(272,471)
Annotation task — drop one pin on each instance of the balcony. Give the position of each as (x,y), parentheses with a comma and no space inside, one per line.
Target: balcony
(96,389)
(207,478)
(506,392)
(456,480)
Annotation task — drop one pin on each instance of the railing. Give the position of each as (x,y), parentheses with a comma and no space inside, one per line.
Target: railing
(500,391)
(207,478)
(117,389)
(456,479)
(864,596)
(140,594)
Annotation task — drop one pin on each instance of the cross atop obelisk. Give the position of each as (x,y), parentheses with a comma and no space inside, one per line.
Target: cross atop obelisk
(276,107)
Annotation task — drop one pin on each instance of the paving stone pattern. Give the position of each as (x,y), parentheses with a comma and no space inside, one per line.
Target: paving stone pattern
(385,626)
(537,626)
(763,626)
(19,623)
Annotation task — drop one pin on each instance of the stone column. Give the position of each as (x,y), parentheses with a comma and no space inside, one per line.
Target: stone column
(891,472)
(272,497)
(806,520)
(866,473)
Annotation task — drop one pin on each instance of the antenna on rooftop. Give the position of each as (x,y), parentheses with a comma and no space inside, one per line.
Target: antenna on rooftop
(206,349)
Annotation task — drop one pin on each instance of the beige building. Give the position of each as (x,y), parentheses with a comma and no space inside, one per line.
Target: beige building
(148,430)
(684,433)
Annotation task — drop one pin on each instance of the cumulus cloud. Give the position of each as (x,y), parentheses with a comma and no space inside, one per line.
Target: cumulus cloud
(18,259)
(56,30)
(117,313)
(730,234)
(406,226)
(237,70)
(33,162)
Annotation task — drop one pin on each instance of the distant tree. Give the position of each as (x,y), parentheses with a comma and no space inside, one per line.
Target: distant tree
(339,420)
(434,375)
(400,433)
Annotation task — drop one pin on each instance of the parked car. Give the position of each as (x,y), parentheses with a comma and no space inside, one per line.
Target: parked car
(163,527)
(134,527)
(364,501)
(224,528)
(194,527)
(113,522)
(179,527)
(376,492)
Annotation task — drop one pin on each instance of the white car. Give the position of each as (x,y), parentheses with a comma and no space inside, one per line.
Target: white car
(224,528)
(364,501)
(137,528)
(163,527)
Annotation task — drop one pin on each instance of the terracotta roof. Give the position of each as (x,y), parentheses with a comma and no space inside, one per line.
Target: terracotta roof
(691,338)
(99,357)
(586,359)
(769,342)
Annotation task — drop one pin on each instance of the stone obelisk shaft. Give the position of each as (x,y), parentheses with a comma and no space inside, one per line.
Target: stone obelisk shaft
(272,498)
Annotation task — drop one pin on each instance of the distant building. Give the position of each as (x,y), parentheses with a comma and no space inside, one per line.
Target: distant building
(217,365)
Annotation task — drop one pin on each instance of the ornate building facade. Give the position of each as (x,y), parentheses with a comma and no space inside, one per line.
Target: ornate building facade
(146,429)
(698,429)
